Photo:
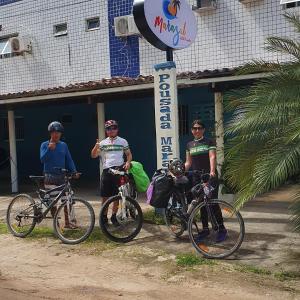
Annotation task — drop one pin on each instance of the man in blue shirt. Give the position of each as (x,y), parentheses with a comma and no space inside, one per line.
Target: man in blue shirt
(55,154)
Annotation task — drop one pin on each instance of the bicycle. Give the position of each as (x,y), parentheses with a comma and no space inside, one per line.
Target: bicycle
(181,216)
(24,212)
(128,213)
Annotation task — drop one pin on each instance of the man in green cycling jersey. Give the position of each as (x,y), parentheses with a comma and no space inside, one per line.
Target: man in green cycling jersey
(201,156)
(112,151)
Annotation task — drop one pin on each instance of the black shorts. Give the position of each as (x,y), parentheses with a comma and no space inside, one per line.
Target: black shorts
(109,185)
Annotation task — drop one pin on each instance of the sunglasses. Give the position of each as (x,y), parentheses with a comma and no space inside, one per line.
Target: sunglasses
(197,128)
(112,128)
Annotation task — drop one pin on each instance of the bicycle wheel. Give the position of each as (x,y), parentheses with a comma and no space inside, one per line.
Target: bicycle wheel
(20,216)
(214,245)
(174,220)
(121,222)
(74,221)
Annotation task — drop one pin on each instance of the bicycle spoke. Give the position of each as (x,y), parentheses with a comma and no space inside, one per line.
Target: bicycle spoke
(226,229)
(74,221)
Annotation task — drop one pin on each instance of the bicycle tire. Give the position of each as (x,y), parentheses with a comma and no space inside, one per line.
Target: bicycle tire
(202,250)
(102,223)
(86,234)
(167,216)
(31,202)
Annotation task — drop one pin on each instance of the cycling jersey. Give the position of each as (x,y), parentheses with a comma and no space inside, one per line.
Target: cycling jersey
(112,152)
(199,151)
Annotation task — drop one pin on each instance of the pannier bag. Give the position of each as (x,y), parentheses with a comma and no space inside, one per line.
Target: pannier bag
(162,188)
(140,177)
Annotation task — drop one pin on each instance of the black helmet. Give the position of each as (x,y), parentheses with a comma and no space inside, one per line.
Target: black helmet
(176,167)
(55,126)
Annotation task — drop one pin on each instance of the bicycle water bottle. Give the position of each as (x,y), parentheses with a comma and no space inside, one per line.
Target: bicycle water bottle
(191,207)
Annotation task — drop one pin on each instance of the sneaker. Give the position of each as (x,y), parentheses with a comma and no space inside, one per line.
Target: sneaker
(202,235)
(221,236)
(114,220)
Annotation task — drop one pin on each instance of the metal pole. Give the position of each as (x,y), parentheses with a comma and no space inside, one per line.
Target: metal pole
(13,151)
(101,131)
(169,54)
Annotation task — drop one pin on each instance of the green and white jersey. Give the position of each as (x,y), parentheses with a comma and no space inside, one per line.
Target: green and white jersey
(112,152)
(199,151)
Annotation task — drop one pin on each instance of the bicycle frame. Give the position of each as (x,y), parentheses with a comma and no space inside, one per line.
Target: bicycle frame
(64,190)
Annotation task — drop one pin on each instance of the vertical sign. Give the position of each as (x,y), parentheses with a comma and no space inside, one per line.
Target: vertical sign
(166,113)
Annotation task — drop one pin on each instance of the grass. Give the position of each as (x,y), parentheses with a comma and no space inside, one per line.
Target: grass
(3,228)
(151,217)
(252,269)
(190,260)
(287,275)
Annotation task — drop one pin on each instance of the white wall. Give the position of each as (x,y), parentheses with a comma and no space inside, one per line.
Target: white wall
(228,37)
(49,64)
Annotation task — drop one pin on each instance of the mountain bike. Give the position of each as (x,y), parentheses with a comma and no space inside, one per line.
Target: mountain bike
(121,216)
(181,216)
(73,220)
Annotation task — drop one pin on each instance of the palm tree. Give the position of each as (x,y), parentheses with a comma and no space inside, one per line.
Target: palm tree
(263,148)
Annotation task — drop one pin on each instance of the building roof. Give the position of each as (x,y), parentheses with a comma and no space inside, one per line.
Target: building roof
(113,82)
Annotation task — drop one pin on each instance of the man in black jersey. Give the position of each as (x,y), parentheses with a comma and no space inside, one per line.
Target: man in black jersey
(201,156)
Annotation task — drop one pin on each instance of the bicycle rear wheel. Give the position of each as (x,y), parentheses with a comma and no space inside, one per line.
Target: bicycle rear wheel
(217,243)
(174,220)
(20,216)
(121,223)
(74,221)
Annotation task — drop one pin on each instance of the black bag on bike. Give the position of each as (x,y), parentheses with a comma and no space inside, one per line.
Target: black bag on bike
(162,189)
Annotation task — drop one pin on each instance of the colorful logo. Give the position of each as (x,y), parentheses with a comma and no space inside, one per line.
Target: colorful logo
(170,8)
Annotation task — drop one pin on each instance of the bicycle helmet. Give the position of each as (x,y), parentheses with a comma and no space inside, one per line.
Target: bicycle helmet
(55,126)
(110,123)
(176,167)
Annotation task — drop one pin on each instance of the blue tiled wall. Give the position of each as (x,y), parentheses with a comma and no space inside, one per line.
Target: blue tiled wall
(124,53)
(5,2)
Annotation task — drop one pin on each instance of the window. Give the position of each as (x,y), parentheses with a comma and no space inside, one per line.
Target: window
(92,24)
(19,127)
(289,3)
(5,46)
(183,119)
(60,29)
(66,119)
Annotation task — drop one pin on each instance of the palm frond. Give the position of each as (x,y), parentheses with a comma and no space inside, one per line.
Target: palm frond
(294,19)
(258,66)
(283,45)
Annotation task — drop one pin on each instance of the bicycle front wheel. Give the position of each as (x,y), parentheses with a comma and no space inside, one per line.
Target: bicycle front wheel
(20,216)
(74,221)
(121,221)
(174,220)
(226,229)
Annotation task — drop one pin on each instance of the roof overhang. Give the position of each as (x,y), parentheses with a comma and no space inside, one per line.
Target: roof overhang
(182,83)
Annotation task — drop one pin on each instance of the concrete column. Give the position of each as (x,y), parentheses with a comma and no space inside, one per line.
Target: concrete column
(101,121)
(219,127)
(13,151)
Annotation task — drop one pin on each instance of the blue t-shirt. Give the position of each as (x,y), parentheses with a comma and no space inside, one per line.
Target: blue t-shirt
(60,157)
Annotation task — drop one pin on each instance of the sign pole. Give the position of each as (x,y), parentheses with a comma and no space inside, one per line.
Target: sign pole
(169,54)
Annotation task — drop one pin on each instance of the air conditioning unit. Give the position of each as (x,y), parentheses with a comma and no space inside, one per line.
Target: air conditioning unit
(20,44)
(205,5)
(125,26)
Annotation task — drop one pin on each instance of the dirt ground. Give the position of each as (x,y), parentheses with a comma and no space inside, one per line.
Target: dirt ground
(146,268)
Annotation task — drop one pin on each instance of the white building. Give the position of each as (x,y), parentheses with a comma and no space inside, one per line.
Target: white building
(73,47)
